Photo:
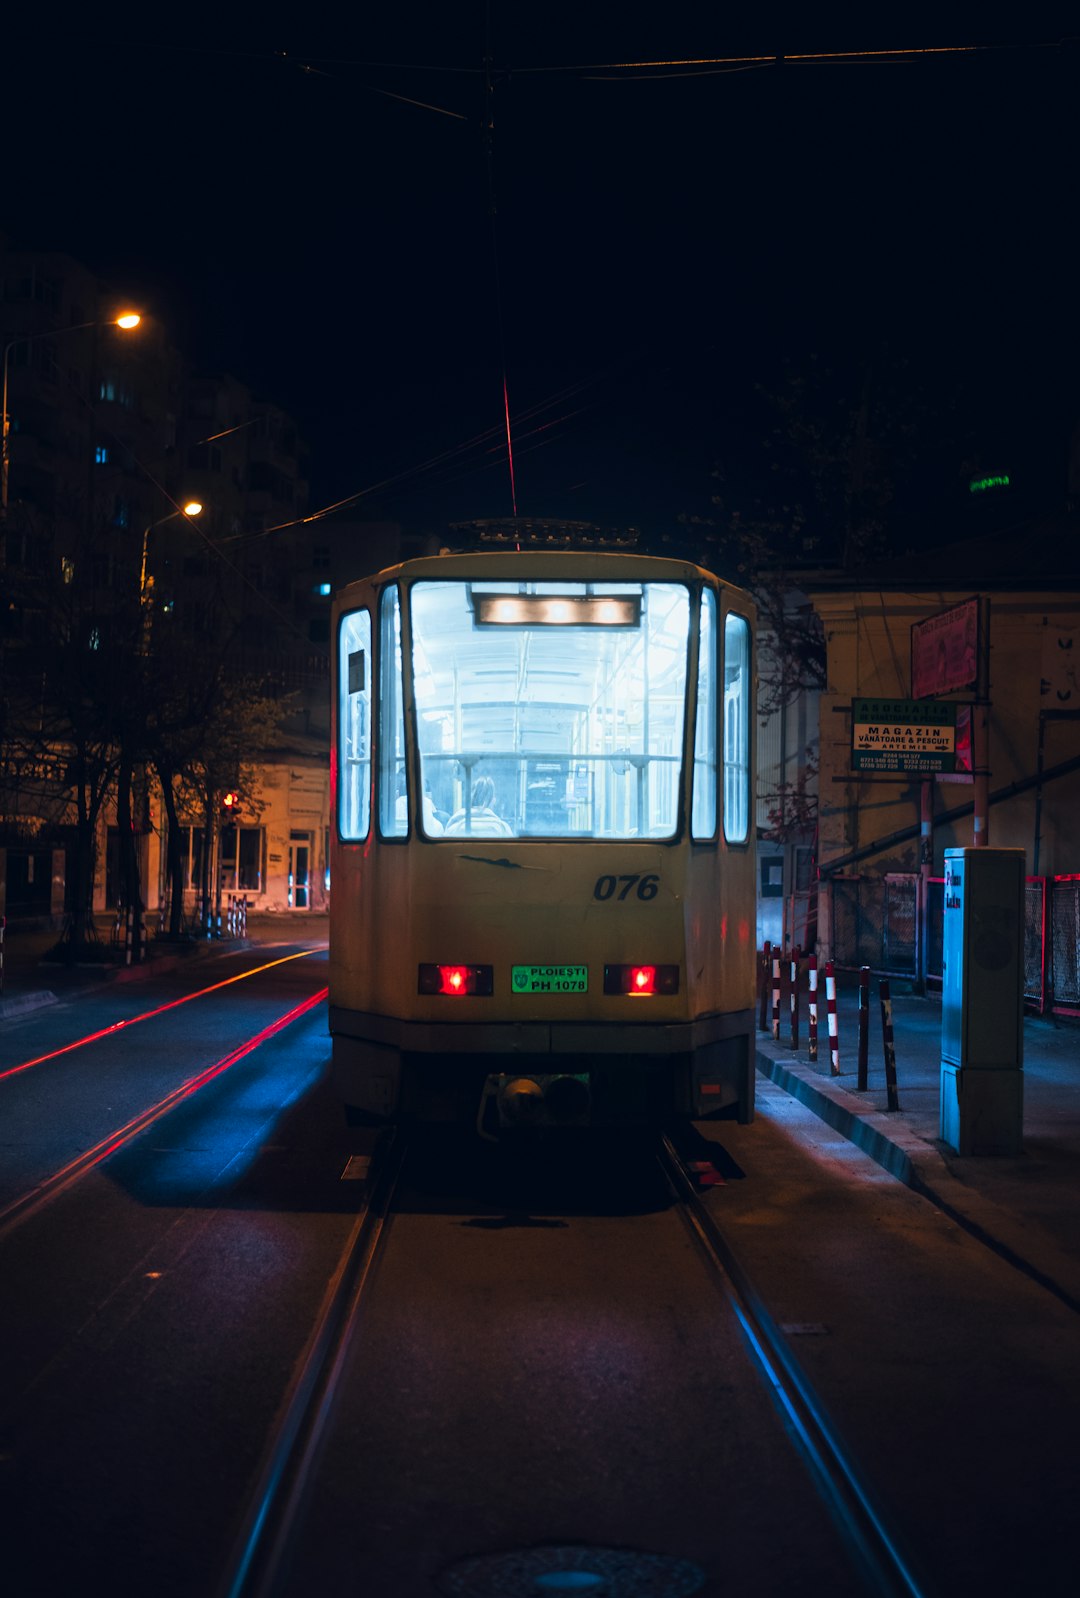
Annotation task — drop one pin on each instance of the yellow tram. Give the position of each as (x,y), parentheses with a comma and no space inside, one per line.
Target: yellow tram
(542,851)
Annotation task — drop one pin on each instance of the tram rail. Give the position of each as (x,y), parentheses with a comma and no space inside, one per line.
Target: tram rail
(289,1460)
(837,1476)
(288,1477)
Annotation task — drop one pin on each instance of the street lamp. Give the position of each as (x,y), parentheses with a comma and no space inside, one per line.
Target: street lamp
(192,508)
(126,320)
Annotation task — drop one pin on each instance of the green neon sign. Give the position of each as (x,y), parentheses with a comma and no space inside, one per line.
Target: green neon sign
(979,485)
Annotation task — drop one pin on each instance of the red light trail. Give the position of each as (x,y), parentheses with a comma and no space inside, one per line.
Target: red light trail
(148,1015)
(61,1180)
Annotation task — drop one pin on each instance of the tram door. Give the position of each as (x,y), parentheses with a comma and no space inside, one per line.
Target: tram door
(300,871)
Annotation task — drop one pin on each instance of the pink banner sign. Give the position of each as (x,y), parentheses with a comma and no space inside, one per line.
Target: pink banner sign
(945,651)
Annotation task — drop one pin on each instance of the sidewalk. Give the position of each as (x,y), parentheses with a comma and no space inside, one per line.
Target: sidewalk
(1026,1207)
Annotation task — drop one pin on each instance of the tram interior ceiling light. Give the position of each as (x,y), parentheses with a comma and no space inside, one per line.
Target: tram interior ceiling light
(454,981)
(554,610)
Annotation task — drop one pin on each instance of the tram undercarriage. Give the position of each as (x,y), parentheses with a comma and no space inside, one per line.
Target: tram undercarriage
(607,1082)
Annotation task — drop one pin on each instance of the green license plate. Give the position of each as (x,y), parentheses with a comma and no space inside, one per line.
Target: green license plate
(549,978)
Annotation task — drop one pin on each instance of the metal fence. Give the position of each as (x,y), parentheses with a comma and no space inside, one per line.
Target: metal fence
(1051,941)
(875,922)
(1062,964)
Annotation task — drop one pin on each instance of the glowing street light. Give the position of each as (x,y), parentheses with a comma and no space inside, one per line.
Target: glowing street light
(126,320)
(192,508)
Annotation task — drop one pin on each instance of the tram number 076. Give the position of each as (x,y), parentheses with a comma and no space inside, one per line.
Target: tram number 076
(648,886)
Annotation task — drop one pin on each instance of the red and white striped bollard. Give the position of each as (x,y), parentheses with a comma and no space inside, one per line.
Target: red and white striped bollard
(793,997)
(830,1005)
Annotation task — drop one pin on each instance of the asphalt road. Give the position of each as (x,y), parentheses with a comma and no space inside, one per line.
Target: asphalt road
(541,1357)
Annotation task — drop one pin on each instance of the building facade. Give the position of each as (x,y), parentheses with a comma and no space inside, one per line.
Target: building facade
(1010,606)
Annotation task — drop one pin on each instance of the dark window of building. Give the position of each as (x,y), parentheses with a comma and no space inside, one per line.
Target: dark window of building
(35,286)
(197,618)
(241,859)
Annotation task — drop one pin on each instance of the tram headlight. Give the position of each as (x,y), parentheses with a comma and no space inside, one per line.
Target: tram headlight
(454,981)
(642,981)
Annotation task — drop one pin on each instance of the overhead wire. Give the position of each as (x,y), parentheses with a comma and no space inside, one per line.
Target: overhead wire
(447,456)
(371,88)
(628,70)
(794,58)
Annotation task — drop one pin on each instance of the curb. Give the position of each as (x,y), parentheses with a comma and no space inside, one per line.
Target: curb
(22,1003)
(886,1144)
(892,1144)
(98,976)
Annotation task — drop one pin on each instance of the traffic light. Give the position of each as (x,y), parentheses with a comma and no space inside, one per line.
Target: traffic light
(230,805)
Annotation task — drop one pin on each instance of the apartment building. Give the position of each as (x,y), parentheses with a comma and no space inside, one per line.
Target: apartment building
(109,434)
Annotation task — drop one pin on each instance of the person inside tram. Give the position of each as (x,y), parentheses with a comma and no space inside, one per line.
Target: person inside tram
(483,821)
(433,820)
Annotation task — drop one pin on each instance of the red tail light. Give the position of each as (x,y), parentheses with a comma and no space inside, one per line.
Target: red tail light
(644,980)
(453,981)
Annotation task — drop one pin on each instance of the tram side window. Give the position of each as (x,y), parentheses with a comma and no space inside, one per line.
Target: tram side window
(354,725)
(393,781)
(703,813)
(736,729)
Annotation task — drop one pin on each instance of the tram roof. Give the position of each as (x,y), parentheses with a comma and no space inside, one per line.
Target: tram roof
(533,565)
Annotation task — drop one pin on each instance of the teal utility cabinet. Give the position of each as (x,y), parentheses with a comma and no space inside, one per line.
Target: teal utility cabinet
(982,1001)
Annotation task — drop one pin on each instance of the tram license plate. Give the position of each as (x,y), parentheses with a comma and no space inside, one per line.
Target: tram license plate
(549,978)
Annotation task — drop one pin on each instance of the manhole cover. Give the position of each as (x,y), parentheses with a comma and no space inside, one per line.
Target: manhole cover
(591,1572)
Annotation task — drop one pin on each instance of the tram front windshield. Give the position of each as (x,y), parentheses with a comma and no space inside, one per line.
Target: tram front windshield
(550,709)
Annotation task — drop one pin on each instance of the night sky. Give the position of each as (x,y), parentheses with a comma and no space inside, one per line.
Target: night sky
(667,237)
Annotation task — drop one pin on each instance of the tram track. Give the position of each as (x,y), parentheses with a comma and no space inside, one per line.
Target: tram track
(838,1478)
(288,1478)
(290,1456)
